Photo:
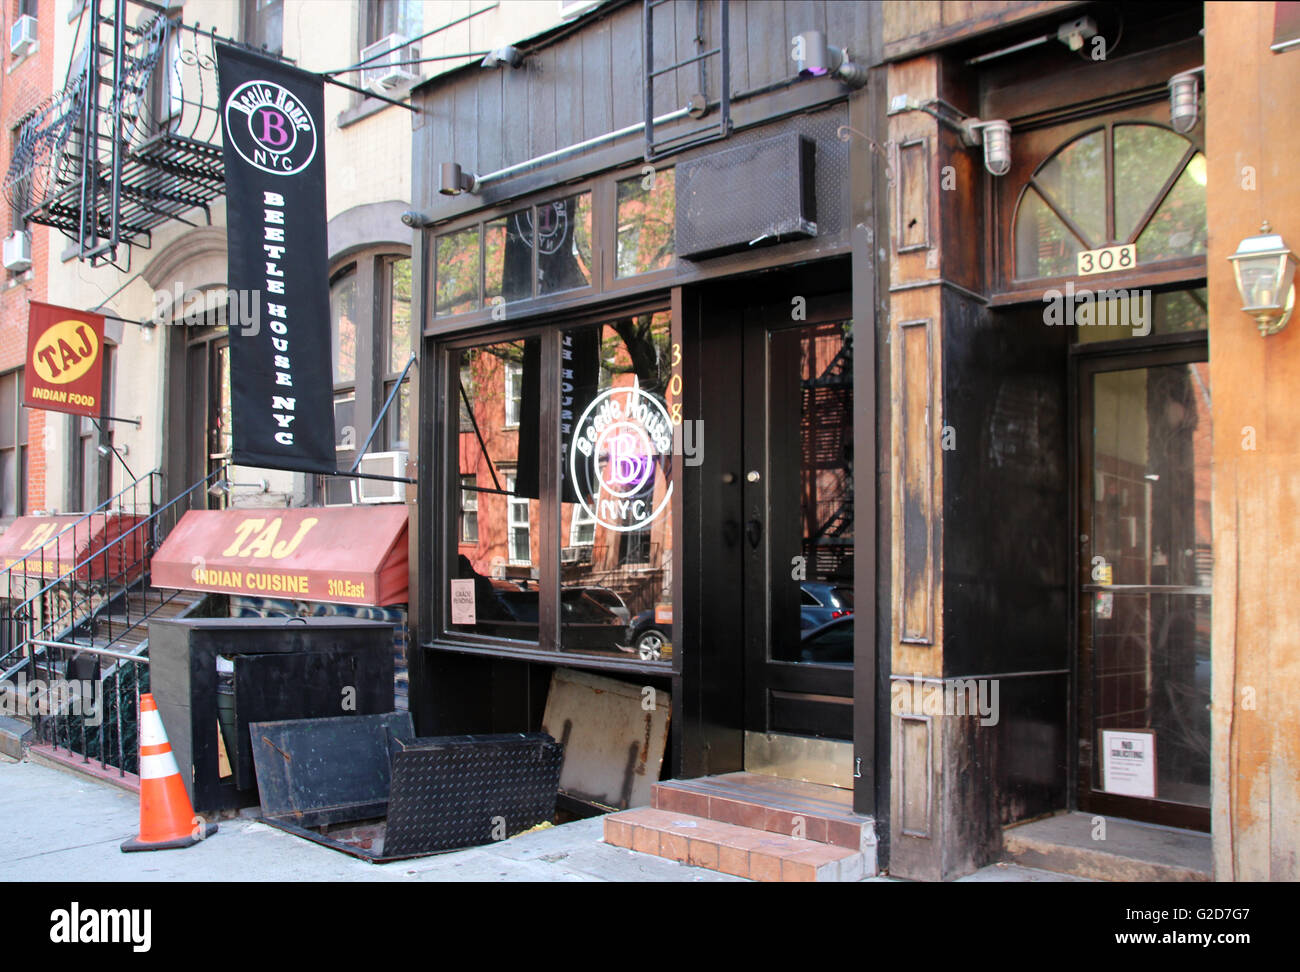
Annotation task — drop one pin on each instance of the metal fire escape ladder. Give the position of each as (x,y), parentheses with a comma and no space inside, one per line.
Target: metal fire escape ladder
(133,141)
(699,102)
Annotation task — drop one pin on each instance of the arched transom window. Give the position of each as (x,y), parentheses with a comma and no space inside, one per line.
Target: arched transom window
(1121,183)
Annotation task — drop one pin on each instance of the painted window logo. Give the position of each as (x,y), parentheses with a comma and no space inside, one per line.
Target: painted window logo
(270,128)
(614,456)
(551,229)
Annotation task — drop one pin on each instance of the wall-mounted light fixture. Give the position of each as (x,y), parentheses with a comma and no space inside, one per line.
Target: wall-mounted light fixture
(454,181)
(814,58)
(995,135)
(1265,269)
(503,56)
(1184,92)
(225,485)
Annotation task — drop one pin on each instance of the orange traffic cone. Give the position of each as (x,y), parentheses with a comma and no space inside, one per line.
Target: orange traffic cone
(166,815)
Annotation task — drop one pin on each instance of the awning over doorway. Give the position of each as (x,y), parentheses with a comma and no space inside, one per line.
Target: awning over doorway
(340,555)
(44,546)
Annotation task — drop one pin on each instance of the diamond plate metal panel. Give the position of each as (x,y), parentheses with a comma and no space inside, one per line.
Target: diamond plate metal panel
(467,790)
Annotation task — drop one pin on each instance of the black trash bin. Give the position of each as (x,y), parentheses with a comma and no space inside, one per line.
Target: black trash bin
(294,668)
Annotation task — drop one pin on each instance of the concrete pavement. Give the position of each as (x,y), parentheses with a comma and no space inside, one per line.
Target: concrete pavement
(68,828)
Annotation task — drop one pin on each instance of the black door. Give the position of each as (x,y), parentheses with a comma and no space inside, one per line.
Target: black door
(797,535)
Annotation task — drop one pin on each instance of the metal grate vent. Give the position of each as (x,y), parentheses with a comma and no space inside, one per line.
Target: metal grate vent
(749,195)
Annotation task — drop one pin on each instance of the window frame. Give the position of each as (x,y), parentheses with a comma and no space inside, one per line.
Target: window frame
(19,448)
(1034,147)
(370,266)
(547,567)
(604,254)
(248,16)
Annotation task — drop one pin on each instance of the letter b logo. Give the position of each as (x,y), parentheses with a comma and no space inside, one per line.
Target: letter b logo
(274,133)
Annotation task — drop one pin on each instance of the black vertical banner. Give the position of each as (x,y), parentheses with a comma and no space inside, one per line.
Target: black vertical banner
(281,372)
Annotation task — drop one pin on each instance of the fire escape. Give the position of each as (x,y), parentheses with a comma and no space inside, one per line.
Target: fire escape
(133,139)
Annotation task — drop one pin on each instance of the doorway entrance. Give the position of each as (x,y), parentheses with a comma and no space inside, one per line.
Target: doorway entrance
(796,543)
(1144,564)
(202,444)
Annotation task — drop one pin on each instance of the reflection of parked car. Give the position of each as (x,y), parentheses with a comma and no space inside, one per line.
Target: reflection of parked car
(607,598)
(830,642)
(822,602)
(647,637)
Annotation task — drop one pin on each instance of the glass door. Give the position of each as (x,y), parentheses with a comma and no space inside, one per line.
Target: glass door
(798,548)
(1145,563)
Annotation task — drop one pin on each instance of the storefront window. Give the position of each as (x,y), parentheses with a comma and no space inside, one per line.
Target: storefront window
(646,221)
(508,257)
(614,471)
(456,288)
(563,233)
(498,489)
(617,480)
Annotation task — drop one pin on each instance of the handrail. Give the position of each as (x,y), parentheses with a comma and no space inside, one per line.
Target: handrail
(124,575)
(107,652)
(147,521)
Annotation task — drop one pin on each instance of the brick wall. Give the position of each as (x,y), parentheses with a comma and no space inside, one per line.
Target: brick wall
(27,82)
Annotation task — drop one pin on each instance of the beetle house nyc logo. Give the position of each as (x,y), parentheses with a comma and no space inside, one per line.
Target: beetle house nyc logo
(613,459)
(270,128)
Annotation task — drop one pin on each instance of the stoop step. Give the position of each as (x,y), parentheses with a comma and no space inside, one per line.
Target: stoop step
(1130,851)
(743,851)
(753,826)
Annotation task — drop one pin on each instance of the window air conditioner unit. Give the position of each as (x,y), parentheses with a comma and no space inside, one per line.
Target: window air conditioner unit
(18,251)
(380,490)
(570,555)
(571,9)
(22,35)
(388,71)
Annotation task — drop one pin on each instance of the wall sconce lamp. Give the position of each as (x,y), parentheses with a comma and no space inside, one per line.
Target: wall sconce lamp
(994,135)
(996,138)
(1184,92)
(814,58)
(507,56)
(1265,269)
(454,181)
(225,485)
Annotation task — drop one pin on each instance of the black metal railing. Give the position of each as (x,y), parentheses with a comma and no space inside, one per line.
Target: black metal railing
(47,543)
(68,627)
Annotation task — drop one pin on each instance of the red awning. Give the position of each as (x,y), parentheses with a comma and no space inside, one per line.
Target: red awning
(35,545)
(342,555)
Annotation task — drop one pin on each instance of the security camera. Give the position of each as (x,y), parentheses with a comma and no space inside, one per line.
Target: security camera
(509,56)
(413,219)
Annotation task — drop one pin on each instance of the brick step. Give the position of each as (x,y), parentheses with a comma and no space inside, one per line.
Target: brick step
(789,807)
(743,851)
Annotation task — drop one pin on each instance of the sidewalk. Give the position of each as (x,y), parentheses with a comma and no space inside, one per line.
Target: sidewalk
(68,828)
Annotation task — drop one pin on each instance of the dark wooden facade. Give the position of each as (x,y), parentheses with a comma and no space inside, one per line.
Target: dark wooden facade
(579,82)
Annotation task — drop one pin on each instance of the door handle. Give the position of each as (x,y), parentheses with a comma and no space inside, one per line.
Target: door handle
(754,532)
